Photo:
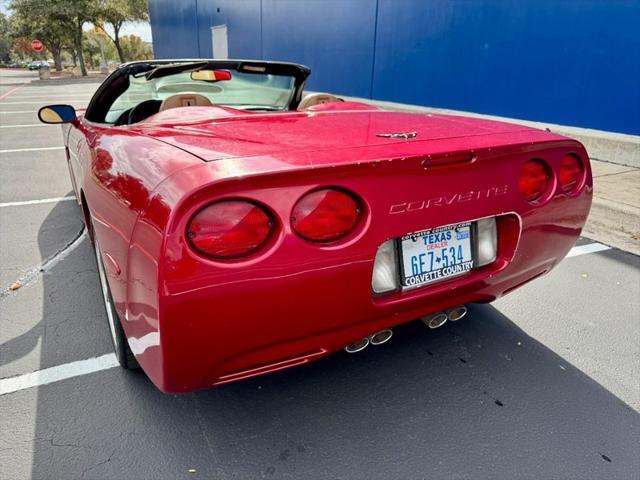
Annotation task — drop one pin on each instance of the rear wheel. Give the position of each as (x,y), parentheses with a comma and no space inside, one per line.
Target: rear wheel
(120,345)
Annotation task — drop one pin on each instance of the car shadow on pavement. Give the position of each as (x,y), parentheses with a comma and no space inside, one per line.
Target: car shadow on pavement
(63,224)
(478,398)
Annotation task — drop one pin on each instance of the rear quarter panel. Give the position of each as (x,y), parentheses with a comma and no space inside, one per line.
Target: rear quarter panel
(115,172)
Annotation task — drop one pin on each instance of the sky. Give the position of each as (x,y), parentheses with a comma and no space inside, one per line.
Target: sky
(142,29)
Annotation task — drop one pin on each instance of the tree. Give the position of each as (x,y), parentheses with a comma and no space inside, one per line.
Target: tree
(66,16)
(92,48)
(29,24)
(5,37)
(116,13)
(135,48)
(76,13)
(22,48)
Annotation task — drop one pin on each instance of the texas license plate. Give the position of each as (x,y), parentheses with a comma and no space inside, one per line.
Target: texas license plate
(432,255)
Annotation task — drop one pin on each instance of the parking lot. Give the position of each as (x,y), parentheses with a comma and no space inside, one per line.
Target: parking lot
(543,383)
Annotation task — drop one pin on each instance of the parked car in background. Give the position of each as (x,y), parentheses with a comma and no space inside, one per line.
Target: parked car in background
(38,64)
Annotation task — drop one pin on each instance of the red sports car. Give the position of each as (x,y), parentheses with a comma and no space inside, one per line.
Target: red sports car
(242,228)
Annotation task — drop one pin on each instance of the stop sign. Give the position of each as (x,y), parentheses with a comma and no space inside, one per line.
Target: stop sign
(36,45)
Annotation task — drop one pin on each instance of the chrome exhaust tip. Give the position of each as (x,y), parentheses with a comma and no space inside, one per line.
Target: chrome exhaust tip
(456,313)
(435,320)
(383,336)
(357,346)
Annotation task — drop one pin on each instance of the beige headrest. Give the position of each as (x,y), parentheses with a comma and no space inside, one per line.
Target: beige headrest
(185,99)
(316,99)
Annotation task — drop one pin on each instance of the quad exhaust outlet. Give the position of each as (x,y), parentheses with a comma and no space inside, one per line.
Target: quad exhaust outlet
(455,314)
(383,336)
(378,338)
(357,346)
(436,320)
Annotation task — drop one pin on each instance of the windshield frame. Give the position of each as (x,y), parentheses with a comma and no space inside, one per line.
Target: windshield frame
(118,82)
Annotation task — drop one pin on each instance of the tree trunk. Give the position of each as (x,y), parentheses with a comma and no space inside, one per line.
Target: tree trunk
(78,44)
(116,42)
(57,58)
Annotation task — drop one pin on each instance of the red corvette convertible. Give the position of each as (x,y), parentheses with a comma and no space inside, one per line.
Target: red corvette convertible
(241,227)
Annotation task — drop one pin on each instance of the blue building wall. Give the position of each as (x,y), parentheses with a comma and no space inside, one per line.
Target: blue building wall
(571,62)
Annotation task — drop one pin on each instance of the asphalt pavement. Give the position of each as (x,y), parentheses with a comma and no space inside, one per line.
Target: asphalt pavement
(543,383)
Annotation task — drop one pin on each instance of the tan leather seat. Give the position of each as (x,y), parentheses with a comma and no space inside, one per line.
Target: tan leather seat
(316,99)
(185,99)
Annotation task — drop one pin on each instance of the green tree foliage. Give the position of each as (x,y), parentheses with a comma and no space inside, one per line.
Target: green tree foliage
(75,13)
(134,48)
(32,25)
(66,17)
(6,38)
(98,48)
(116,13)
(94,46)
(59,25)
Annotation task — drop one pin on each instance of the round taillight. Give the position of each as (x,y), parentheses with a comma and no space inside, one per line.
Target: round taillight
(229,229)
(325,215)
(570,173)
(535,176)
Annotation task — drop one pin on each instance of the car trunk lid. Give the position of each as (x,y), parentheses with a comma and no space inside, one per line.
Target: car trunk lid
(228,133)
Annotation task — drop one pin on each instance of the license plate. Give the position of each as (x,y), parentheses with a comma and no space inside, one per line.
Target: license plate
(433,255)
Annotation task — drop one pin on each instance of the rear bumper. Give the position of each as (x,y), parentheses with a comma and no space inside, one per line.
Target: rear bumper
(293,301)
(246,327)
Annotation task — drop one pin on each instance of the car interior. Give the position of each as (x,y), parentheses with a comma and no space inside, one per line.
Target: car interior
(187,99)
(139,90)
(313,99)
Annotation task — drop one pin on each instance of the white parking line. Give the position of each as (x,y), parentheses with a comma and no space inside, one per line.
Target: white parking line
(51,95)
(29,125)
(37,103)
(589,248)
(16,150)
(9,92)
(36,202)
(77,107)
(55,374)
(107,361)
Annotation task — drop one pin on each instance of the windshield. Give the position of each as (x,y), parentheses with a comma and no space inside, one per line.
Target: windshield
(250,91)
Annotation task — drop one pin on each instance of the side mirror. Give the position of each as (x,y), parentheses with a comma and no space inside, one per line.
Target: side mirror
(211,75)
(57,114)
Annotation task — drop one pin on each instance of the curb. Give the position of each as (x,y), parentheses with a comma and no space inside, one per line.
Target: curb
(67,81)
(614,224)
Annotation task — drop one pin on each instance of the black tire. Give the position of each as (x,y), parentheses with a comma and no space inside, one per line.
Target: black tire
(123,352)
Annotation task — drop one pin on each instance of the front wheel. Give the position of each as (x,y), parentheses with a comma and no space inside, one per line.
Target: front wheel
(123,352)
